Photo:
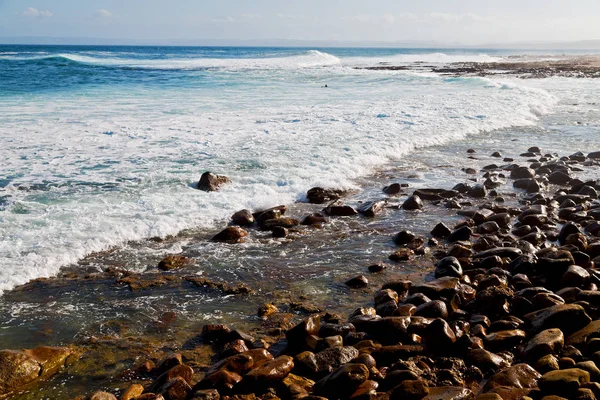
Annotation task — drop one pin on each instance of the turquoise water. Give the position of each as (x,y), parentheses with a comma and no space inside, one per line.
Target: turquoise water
(103,145)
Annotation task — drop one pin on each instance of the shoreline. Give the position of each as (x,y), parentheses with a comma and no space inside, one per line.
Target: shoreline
(523,68)
(276,333)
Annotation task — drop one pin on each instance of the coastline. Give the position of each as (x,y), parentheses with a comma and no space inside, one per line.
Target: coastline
(201,359)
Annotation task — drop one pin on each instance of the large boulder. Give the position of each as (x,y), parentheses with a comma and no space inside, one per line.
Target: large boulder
(210,182)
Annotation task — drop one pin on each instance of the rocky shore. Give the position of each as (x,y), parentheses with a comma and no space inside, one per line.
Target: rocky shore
(510,309)
(526,68)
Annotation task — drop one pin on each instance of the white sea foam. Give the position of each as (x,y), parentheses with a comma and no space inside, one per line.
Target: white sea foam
(76,190)
(429,58)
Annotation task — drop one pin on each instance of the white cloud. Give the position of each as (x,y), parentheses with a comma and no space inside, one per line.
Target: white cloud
(31,12)
(448,17)
(103,13)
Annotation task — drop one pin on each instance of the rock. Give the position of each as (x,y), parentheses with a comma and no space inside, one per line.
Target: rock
(563,382)
(559,178)
(486,361)
(410,390)
(318,195)
(449,393)
(17,369)
(274,370)
(309,327)
(234,347)
(279,232)
(580,337)
(179,371)
(549,341)
(567,317)
(502,252)
(358,282)
(376,268)
(441,231)
(176,389)
(575,277)
(243,218)
(102,396)
(172,262)
(230,234)
(342,382)
(504,340)
(50,358)
(432,309)
(214,333)
(314,219)
(221,380)
(445,287)
(132,391)
(371,208)
(439,337)
(402,254)
(520,376)
(340,211)
(210,182)
(392,189)
(267,309)
(522,173)
(463,233)
(595,155)
(206,394)
(448,266)
(282,222)
(414,202)
(477,191)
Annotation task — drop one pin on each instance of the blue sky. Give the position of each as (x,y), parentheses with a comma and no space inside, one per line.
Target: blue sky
(459,21)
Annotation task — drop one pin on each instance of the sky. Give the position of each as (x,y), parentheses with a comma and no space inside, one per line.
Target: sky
(446,21)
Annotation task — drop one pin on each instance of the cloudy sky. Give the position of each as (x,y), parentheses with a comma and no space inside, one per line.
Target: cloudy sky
(447,21)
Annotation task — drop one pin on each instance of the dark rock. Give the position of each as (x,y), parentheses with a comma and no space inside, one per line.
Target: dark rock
(460,234)
(448,266)
(559,178)
(340,211)
(439,337)
(563,382)
(279,232)
(520,376)
(392,189)
(404,237)
(342,382)
(314,219)
(432,309)
(550,341)
(358,282)
(441,231)
(230,234)
(522,173)
(410,390)
(215,333)
(283,222)
(486,361)
(402,254)
(175,389)
(372,208)
(172,262)
(478,191)
(318,195)
(413,203)
(243,218)
(568,318)
(210,182)
(274,370)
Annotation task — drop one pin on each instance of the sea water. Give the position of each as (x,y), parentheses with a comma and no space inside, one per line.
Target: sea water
(103,145)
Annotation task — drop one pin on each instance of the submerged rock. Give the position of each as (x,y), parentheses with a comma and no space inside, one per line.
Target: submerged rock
(210,182)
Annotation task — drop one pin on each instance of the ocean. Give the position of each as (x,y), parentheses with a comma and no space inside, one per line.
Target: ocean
(102,148)
(103,145)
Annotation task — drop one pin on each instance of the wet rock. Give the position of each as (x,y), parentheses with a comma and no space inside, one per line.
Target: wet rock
(559,178)
(439,337)
(342,382)
(549,341)
(17,369)
(235,347)
(296,386)
(564,382)
(448,266)
(519,376)
(403,238)
(283,222)
(376,268)
(402,254)
(449,393)
(387,355)
(461,234)
(243,218)
(358,282)
(340,211)
(445,287)
(102,396)
(318,195)
(502,252)
(486,361)
(221,380)
(441,231)
(279,232)
(522,173)
(273,370)
(230,234)
(298,334)
(567,317)
(504,340)
(414,202)
(371,208)
(432,309)
(215,333)
(175,389)
(210,182)
(314,219)
(206,394)
(477,191)
(575,277)
(172,262)
(410,390)
(392,189)
(132,391)
(595,155)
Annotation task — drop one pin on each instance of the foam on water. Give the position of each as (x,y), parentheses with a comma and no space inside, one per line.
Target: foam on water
(430,58)
(96,167)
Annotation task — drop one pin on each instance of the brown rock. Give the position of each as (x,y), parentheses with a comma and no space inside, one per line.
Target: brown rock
(342,382)
(273,370)
(231,234)
(566,317)
(580,337)
(173,262)
(520,376)
(410,390)
(563,382)
(176,389)
(372,208)
(210,182)
(17,369)
(449,393)
(318,195)
(102,396)
(132,391)
(550,341)
(243,218)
